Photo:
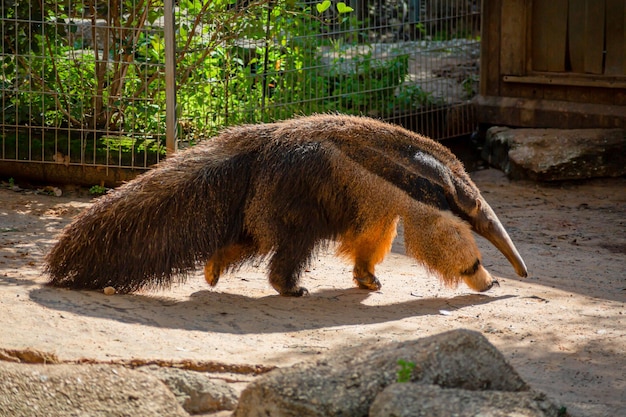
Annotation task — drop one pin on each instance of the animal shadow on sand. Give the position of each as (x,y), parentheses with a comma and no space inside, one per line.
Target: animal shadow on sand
(220,312)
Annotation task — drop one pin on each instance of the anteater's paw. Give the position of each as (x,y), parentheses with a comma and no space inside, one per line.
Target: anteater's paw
(369,282)
(211,274)
(296,292)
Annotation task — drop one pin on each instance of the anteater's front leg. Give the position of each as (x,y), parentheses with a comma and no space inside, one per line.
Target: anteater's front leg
(367,248)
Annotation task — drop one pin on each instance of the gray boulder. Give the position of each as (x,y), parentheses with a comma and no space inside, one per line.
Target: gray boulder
(556,154)
(82,390)
(414,400)
(195,392)
(346,384)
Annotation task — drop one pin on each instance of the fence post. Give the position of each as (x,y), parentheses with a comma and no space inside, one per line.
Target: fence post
(170,78)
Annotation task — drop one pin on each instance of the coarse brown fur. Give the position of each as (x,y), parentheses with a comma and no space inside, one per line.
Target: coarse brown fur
(279,191)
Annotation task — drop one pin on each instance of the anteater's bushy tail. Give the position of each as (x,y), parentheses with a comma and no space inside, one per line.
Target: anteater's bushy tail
(155,228)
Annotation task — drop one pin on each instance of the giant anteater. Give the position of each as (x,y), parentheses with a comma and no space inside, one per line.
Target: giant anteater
(279,191)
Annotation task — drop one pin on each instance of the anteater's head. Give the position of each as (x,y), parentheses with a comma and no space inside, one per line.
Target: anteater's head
(460,195)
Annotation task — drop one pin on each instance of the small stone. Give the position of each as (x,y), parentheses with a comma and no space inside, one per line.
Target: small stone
(109,291)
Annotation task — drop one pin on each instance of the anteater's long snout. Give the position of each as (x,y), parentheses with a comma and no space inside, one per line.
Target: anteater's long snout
(486,223)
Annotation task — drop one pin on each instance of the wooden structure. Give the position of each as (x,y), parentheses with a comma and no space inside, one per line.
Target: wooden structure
(553,63)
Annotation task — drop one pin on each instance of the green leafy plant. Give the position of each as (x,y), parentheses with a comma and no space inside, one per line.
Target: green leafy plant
(365,84)
(420,28)
(97,190)
(343,8)
(470,85)
(413,96)
(405,371)
(323,6)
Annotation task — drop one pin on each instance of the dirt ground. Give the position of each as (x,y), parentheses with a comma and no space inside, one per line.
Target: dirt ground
(563,328)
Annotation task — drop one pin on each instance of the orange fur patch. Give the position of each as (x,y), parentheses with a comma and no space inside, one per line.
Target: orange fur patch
(369,247)
(222,260)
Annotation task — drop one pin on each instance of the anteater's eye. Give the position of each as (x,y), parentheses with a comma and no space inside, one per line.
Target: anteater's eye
(472,269)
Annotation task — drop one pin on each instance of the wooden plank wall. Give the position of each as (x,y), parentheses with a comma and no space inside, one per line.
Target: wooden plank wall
(594,36)
(576,38)
(513,56)
(615,37)
(579,36)
(549,34)
(553,63)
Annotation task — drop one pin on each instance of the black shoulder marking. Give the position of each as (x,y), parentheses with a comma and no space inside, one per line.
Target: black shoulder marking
(407,178)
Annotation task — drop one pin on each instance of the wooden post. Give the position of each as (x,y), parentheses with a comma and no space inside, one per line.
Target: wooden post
(170,78)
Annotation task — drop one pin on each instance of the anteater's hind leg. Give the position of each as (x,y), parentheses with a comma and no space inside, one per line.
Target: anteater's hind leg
(225,258)
(366,249)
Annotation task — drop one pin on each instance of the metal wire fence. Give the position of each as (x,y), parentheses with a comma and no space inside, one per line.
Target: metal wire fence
(84,89)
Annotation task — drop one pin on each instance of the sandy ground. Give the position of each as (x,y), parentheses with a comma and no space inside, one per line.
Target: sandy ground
(563,328)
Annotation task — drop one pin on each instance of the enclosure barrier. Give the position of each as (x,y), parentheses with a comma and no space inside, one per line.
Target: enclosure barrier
(95,92)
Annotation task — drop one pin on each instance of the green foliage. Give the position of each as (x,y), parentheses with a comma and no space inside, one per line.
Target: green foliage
(58,78)
(419,27)
(342,8)
(412,96)
(288,66)
(236,63)
(365,84)
(323,6)
(22,25)
(97,190)
(470,86)
(265,70)
(405,371)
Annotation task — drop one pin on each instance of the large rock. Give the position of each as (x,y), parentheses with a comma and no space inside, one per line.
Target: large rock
(556,154)
(411,400)
(195,392)
(82,390)
(347,383)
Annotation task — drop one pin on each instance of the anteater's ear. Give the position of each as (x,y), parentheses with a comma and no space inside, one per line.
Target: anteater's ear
(476,209)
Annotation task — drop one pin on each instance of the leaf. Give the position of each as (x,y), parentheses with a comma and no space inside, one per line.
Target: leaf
(323,6)
(342,8)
